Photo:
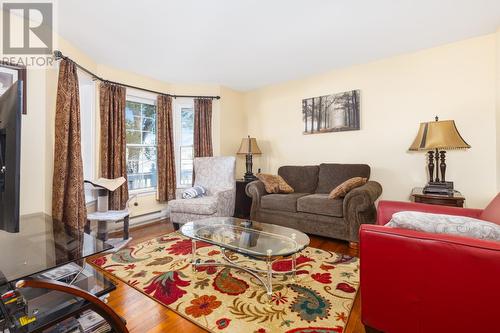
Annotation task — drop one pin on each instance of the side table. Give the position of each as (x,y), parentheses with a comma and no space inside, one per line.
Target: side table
(243,203)
(454,200)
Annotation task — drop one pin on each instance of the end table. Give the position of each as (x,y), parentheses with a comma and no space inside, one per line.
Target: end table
(243,202)
(454,200)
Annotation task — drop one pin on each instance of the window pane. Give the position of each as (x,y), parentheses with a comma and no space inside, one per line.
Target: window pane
(141,145)
(148,124)
(133,136)
(133,115)
(148,110)
(186,165)
(187,126)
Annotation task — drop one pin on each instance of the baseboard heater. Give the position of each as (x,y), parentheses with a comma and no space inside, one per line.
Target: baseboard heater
(138,220)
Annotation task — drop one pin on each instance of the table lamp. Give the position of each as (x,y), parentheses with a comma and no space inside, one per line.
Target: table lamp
(249,148)
(436,137)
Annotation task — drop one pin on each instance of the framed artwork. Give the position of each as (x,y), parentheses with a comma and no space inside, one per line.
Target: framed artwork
(331,113)
(8,75)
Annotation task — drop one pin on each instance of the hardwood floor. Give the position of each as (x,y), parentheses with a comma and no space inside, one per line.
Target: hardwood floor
(145,315)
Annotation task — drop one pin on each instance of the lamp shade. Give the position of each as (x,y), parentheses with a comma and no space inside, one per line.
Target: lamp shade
(249,146)
(441,134)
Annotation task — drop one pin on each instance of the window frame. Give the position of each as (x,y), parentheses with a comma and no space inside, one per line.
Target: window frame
(179,104)
(137,96)
(88,117)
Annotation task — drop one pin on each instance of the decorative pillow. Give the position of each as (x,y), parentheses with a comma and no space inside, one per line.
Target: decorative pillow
(194,192)
(274,183)
(344,188)
(446,224)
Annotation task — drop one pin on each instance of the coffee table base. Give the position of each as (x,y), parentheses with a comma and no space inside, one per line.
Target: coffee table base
(268,285)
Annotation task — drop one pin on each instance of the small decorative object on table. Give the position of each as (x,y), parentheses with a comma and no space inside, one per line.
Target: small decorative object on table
(455,199)
(249,148)
(435,137)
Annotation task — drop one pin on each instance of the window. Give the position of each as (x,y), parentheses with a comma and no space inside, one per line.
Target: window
(140,119)
(184,121)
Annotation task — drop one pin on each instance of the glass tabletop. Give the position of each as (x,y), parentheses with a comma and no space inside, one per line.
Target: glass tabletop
(43,244)
(246,236)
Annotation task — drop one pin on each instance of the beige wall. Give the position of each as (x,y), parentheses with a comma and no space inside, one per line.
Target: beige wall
(233,126)
(455,81)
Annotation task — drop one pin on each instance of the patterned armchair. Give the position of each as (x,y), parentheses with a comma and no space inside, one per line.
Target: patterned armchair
(216,174)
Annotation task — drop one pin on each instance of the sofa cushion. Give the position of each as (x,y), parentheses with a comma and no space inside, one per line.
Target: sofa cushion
(274,183)
(332,175)
(201,206)
(445,224)
(320,204)
(283,202)
(344,188)
(492,212)
(303,179)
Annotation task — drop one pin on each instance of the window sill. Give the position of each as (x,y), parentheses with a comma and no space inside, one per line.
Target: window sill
(143,191)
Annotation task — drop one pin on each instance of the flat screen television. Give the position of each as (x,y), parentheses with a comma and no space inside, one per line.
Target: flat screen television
(10,156)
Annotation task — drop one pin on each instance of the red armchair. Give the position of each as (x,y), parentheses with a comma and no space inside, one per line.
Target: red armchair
(429,283)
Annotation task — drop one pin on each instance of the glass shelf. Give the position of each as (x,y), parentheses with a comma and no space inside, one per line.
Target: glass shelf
(49,307)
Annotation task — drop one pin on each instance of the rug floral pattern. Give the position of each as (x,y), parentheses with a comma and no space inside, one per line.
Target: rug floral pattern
(220,299)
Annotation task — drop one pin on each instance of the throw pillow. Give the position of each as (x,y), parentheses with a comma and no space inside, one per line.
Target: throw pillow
(344,188)
(446,224)
(274,183)
(194,192)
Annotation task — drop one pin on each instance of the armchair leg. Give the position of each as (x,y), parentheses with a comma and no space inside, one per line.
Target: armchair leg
(176,226)
(354,245)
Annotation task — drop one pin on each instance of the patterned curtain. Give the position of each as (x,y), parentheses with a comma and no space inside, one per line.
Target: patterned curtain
(165,154)
(113,140)
(68,196)
(202,127)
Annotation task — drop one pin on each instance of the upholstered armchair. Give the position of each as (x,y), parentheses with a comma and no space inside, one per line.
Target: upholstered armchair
(216,175)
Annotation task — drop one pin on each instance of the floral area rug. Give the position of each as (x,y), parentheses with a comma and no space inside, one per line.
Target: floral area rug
(220,299)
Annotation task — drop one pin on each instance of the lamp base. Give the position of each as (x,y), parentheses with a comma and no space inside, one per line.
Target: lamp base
(444,188)
(249,177)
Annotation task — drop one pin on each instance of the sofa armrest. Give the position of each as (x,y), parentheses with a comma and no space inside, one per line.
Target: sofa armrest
(387,208)
(359,207)
(225,201)
(256,190)
(413,281)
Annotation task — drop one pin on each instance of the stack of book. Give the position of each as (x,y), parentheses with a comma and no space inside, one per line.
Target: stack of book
(87,322)
(91,322)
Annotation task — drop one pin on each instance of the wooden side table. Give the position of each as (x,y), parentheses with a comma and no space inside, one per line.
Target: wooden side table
(454,200)
(243,202)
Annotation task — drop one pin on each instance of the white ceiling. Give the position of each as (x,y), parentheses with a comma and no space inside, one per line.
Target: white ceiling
(246,44)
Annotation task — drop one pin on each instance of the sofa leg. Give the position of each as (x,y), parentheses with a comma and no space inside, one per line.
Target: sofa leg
(176,226)
(354,245)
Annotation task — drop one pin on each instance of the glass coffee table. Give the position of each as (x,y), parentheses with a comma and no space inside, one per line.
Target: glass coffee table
(259,241)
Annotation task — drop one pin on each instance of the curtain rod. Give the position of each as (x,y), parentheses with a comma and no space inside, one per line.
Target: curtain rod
(58,55)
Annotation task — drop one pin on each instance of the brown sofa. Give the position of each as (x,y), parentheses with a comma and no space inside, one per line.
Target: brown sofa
(309,209)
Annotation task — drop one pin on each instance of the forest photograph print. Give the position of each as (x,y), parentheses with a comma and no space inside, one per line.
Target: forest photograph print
(331,113)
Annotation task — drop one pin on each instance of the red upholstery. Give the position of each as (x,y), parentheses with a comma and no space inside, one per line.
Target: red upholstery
(428,283)
(492,211)
(385,210)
